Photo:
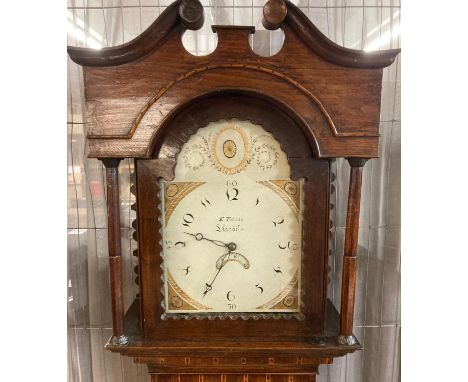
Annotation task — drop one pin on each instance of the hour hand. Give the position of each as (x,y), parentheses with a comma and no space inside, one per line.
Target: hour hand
(199,237)
(241,259)
(221,262)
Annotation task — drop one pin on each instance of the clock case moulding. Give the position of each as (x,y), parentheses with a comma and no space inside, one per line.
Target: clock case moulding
(145,98)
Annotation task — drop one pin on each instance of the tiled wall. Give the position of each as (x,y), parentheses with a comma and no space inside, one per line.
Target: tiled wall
(359,24)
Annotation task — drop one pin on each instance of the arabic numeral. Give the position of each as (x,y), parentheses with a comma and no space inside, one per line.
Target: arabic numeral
(278,220)
(232,194)
(205,202)
(187,220)
(289,245)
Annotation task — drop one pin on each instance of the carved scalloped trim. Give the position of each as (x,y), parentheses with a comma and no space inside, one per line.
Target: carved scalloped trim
(134,225)
(331,219)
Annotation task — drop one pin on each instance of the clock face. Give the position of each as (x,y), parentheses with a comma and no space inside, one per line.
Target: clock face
(232,224)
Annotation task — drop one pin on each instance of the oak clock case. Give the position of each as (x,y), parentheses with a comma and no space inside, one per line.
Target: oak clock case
(232,180)
(232,226)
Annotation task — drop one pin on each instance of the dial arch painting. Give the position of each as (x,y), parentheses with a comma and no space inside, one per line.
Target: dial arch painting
(232,213)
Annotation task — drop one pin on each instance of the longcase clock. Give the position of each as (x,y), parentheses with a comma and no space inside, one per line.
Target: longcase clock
(232,181)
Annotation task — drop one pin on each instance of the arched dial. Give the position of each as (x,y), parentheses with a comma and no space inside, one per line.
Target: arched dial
(232,224)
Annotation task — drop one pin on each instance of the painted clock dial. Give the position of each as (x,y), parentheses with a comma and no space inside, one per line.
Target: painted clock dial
(232,224)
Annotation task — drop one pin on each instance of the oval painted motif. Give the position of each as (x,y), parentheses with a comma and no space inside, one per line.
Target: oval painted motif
(230,149)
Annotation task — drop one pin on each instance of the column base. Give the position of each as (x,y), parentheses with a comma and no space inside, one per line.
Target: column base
(346,340)
(119,340)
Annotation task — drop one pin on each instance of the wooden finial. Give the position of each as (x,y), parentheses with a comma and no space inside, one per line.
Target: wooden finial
(274,13)
(191,13)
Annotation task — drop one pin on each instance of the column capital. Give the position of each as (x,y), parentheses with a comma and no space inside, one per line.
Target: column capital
(111,162)
(357,162)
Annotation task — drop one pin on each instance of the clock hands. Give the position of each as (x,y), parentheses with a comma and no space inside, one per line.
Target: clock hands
(223,259)
(209,286)
(199,237)
(221,262)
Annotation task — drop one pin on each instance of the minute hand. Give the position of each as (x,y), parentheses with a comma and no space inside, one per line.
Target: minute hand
(209,286)
(199,237)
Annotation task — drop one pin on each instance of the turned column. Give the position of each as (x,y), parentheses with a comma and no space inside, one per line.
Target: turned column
(115,250)
(348,282)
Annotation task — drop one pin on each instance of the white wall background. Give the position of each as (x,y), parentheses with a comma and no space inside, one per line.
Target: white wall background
(360,24)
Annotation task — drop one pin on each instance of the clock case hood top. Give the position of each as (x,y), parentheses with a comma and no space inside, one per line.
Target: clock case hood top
(131,90)
(145,98)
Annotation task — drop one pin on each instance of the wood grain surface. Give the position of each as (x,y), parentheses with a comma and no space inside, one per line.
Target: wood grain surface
(131,89)
(348,284)
(114,244)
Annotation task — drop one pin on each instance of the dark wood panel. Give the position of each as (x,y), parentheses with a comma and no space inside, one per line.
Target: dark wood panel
(348,287)
(114,245)
(148,240)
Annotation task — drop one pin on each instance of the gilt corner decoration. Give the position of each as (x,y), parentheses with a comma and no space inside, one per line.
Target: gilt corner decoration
(232,182)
